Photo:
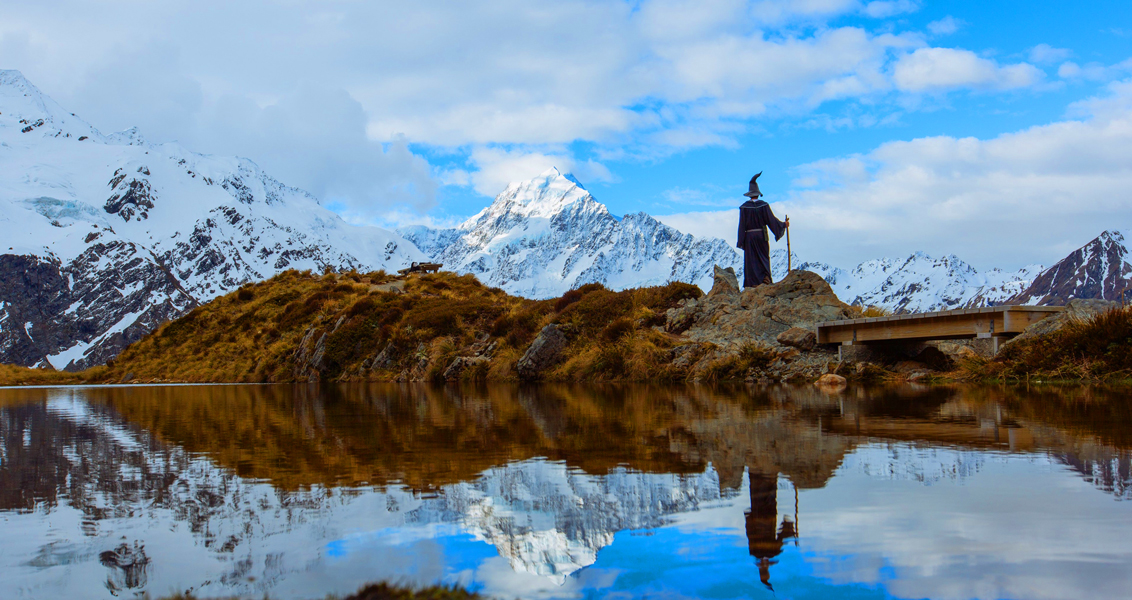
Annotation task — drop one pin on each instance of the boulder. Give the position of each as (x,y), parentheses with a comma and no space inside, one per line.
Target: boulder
(730,320)
(803,339)
(542,353)
(831,381)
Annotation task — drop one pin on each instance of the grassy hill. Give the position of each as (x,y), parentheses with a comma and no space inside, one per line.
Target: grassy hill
(351,327)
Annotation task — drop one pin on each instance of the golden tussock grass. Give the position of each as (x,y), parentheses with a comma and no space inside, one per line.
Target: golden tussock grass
(17,375)
(280,329)
(1096,348)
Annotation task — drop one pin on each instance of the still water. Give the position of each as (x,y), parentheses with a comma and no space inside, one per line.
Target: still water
(566,492)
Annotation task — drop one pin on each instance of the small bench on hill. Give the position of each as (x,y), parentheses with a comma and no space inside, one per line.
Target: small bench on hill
(421,268)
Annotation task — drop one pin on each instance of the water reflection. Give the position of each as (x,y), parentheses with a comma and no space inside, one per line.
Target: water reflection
(559,490)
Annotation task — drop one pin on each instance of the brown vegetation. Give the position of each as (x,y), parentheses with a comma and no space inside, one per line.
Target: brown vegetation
(299,326)
(1095,348)
(16,375)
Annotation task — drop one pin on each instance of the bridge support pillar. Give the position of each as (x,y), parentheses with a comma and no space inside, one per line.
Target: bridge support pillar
(996,341)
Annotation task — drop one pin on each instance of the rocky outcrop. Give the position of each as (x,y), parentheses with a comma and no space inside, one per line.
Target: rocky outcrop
(461,364)
(81,314)
(310,356)
(730,319)
(542,353)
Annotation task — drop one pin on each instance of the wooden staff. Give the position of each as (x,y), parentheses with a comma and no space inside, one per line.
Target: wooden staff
(789,259)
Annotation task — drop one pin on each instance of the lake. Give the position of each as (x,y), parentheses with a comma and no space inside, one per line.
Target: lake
(566,491)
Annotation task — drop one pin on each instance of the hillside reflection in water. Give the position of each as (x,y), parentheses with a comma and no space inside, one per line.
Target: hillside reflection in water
(566,491)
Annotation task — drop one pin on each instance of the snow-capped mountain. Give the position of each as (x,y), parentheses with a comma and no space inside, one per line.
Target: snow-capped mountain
(542,237)
(1099,269)
(107,236)
(921,283)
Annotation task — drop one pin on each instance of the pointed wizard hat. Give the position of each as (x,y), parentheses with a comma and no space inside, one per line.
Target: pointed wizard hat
(754,191)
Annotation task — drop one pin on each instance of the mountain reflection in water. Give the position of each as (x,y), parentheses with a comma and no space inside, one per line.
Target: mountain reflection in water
(566,491)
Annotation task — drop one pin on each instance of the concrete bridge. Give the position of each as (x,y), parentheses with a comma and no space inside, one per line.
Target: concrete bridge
(995,322)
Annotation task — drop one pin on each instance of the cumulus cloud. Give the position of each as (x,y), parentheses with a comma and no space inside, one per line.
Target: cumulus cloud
(1045,54)
(1031,195)
(945,26)
(936,69)
(880,9)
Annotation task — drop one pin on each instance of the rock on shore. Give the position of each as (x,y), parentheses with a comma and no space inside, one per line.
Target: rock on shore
(777,318)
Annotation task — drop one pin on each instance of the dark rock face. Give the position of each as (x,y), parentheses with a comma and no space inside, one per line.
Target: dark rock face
(1098,270)
(104,300)
(461,364)
(130,199)
(542,353)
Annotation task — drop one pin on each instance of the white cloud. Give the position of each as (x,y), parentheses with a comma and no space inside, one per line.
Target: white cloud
(945,26)
(935,69)
(1044,54)
(880,9)
(496,167)
(1094,71)
(722,224)
(1015,199)
(353,83)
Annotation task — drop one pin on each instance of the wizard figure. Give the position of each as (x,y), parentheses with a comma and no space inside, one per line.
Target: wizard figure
(755,217)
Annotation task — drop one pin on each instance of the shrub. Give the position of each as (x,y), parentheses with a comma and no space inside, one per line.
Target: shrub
(245,294)
(1099,347)
(617,329)
(866,312)
(597,309)
(662,298)
(365,304)
(567,299)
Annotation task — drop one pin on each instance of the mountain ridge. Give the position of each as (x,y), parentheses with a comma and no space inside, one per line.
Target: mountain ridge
(109,236)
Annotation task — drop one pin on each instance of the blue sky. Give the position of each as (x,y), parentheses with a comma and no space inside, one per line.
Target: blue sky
(996,131)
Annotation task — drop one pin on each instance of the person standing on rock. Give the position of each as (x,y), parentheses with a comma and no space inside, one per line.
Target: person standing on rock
(755,217)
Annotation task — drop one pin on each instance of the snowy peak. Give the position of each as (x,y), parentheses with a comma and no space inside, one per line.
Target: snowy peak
(23,106)
(1099,269)
(541,197)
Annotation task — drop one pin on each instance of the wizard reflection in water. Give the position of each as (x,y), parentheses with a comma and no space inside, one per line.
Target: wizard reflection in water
(755,217)
(764,536)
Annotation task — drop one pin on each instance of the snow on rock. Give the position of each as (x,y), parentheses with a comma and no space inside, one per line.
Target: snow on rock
(107,237)
(1099,270)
